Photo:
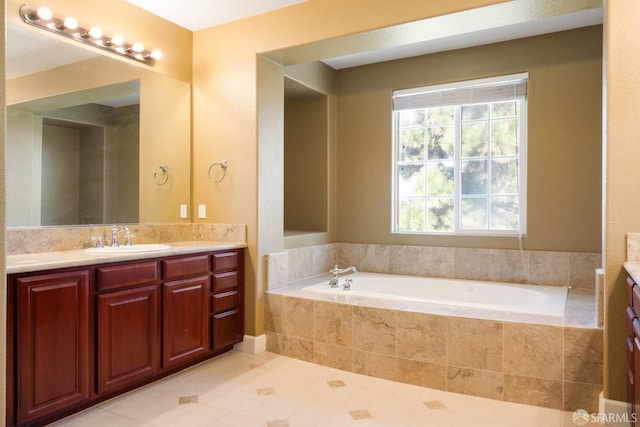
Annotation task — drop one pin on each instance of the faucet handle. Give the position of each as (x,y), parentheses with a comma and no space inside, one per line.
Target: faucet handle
(128,236)
(98,240)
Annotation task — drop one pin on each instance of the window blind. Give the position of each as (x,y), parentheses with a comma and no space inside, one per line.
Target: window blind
(495,89)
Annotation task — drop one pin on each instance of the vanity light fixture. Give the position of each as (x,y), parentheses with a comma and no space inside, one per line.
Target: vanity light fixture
(69,27)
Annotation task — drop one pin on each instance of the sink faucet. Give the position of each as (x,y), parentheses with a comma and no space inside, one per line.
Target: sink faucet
(335,272)
(114,235)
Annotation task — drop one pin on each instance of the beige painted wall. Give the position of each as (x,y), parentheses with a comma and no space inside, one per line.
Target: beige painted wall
(622,102)
(306,163)
(564,144)
(229,111)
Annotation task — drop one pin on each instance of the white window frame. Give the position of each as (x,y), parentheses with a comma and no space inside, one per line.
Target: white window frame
(462,93)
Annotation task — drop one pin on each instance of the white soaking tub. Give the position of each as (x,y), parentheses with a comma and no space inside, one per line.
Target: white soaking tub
(509,297)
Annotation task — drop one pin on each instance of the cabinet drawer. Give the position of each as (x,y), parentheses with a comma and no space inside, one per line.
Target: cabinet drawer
(636,297)
(225,261)
(636,328)
(631,314)
(225,301)
(630,354)
(120,276)
(226,329)
(630,284)
(185,267)
(225,281)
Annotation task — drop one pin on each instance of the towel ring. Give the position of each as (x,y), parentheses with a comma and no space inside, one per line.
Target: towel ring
(223,165)
(162,179)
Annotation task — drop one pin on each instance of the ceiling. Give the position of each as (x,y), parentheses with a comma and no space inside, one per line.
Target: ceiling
(196,15)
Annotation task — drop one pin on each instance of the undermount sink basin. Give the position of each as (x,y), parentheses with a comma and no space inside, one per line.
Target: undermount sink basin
(111,250)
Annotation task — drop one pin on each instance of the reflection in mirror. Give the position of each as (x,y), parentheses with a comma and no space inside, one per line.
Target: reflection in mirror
(76,164)
(60,96)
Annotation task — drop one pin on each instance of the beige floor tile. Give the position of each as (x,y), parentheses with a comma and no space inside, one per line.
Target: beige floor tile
(227,390)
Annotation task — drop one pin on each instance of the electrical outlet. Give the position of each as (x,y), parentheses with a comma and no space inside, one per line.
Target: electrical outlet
(202,211)
(183,211)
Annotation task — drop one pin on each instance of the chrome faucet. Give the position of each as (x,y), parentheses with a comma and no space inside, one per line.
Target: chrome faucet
(335,272)
(114,235)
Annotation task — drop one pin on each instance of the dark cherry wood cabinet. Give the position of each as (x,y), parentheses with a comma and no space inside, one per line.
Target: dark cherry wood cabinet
(185,321)
(52,343)
(633,348)
(128,337)
(81,335)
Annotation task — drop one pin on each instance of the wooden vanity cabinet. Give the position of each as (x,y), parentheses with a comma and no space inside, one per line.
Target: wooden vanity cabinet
(186,309)
(78,336)
(127,324)
(633,348)
(227,298)
(51,345)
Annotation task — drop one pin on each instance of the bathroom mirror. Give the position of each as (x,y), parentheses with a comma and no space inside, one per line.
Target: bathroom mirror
(62,176)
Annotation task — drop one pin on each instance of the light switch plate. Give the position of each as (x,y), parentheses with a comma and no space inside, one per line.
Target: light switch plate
(202,211)
(183,211)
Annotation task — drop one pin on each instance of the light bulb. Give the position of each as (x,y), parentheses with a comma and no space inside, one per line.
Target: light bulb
(70,23)
(156,54)
(137,47)
(95,32)
(44,13)
(117,40)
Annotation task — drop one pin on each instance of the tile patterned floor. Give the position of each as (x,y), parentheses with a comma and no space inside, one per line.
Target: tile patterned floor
(247,390)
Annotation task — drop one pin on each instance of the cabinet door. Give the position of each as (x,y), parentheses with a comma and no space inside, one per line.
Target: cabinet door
(128,337)
(186,320)
(52,343)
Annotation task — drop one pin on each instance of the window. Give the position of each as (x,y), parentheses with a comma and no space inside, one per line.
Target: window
(460,157)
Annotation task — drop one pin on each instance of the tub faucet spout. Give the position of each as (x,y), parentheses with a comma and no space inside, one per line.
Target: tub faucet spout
(335,272)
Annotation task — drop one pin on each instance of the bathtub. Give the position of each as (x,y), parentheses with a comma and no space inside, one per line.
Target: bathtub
(529,299)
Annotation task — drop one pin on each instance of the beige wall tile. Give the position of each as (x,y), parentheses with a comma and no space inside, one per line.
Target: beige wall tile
(422,337)
(583,355)
(475,382)
(472,264)
(402,259)
(273,312)
(275,342)
(533,391)
(277,270)
(509,266)
(333,356)
(374,365)
(423,374)
(350,254)
(375,258)
(297,318)
(435,261)
(582,269)
(549,268)
(581,396)
(475,343)
(533,350)
(374,330)
(297,348)
(333,324)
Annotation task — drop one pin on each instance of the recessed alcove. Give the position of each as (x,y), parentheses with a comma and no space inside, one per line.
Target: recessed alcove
(306,161)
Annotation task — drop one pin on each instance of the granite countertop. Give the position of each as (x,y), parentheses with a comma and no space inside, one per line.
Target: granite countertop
(633,268)
(25,263)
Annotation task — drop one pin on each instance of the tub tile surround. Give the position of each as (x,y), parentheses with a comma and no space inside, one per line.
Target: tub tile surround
(52,239)
(542,365)
(546,361)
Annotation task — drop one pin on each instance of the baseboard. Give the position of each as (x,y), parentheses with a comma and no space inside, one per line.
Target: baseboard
(613,412)
(251,344)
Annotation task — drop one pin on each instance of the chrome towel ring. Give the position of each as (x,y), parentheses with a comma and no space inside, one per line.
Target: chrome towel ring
(163,177)
(223,165)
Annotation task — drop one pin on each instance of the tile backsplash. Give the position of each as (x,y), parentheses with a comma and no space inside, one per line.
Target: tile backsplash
(546,268)
(51,239)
